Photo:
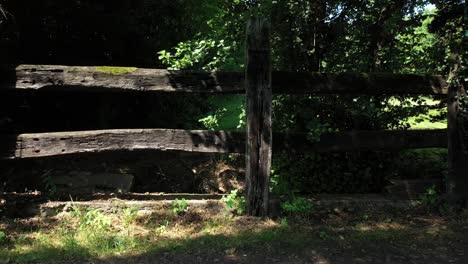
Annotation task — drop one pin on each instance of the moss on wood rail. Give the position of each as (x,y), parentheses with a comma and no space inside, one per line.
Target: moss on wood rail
(115,70)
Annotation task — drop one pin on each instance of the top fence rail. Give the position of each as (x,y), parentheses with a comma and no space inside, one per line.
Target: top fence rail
(115,79)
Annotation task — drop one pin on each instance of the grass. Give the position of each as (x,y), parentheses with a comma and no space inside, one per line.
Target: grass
(93,234)
(425,121)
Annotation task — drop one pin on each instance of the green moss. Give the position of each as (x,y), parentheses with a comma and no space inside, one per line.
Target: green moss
(115,70)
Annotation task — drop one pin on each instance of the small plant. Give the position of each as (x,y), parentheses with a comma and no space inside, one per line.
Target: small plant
(242,118)
(90,219)
(235,203)
(316,129)
(324,235)
(211,122)
(365,217)
(163,227)
(301,206)
(284,222)
(3,237)
(95,220)
(129,215)
(432,200)
(179,206)
(49,184)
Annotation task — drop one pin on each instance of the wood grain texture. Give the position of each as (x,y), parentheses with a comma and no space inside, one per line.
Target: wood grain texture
(61,143)
(89,79)
(258,112)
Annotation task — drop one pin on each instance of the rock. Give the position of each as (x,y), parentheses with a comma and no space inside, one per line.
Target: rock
(338,210)
(120,182)
(29,211)
(79,182)
(48,212)
(144,213)
(73,179)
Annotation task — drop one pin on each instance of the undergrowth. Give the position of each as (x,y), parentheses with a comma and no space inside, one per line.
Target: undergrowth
(91,234)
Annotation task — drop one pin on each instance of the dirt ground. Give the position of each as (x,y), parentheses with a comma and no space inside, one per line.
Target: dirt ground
(331,233)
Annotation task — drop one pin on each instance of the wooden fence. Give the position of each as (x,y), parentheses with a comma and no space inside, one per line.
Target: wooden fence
(258,83)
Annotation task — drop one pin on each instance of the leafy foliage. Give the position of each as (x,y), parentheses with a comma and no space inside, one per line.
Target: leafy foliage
(383,35)
(300,206)
(179,206)
(200,54)
(235,203)
(3,237)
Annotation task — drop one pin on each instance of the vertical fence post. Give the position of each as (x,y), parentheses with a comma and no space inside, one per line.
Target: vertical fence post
(455,151)
(259,134)
(457,178)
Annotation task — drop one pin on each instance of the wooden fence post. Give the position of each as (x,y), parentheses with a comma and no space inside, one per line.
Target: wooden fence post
(259,134)
(457,180)
(457,173)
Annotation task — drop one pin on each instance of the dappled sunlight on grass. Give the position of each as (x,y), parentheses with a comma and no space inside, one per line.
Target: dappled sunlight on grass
(427,120)
(364,227)
(424,121)
(91,233)
(126,235)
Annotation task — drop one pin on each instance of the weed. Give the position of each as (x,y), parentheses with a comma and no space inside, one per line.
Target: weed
(432,201)
(129,215)
(284,222)
(3,237)
(94,220)
(179,206)
(365,217)
(162,227)
(49,184)
(235,203)
(324,235)
(297,206)
(212,225)
(95,231)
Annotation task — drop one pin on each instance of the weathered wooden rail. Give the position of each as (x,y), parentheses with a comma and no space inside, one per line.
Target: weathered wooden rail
(205,141)
(258,83)
(92,79)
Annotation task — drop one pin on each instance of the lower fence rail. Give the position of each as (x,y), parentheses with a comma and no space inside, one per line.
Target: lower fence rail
(205,141)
